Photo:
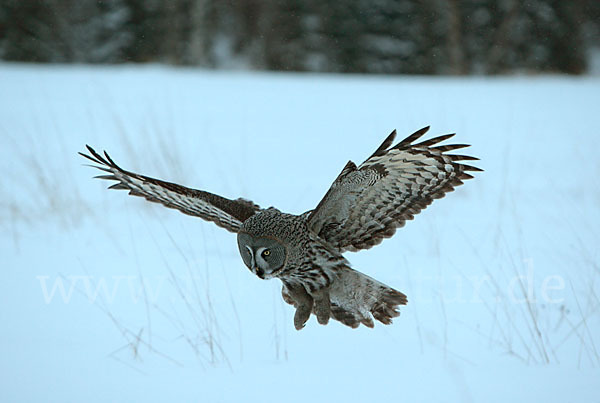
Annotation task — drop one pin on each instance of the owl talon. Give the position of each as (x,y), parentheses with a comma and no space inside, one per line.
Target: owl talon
(301,316)
(303,303)
(322,306)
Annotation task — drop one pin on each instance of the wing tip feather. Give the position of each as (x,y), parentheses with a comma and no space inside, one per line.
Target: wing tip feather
(410,139)
(385,145)
(466,167)
(434,140)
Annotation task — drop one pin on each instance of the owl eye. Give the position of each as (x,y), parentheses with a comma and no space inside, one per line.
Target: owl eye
(266,252)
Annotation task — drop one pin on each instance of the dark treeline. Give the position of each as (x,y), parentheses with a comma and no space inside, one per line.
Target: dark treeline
(366,36)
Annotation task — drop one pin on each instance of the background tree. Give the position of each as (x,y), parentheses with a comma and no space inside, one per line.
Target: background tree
(359,36)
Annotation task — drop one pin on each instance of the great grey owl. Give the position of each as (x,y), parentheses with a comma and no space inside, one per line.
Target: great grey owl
(364,205)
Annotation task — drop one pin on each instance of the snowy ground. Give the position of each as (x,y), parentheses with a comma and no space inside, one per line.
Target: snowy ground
(108,298)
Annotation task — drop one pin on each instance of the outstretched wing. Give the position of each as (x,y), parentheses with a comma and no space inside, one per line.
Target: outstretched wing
(226,213)
(366,204)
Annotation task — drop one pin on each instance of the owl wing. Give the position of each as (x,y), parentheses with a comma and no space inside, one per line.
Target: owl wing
(226,213)
(366,204)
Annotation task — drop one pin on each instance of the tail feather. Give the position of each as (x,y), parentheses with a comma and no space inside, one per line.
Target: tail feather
(346,317)
(357,298)
(385,309)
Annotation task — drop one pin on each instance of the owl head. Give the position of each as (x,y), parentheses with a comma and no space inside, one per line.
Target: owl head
(264,256)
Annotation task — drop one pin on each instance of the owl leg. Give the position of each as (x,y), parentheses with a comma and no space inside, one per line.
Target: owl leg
(322,305)
(304,304)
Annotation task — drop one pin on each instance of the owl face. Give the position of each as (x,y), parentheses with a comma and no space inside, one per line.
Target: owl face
(265,257)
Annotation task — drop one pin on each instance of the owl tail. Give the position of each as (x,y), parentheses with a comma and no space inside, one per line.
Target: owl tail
(357,298)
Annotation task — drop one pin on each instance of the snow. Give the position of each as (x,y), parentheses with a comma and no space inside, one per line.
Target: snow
(502,275)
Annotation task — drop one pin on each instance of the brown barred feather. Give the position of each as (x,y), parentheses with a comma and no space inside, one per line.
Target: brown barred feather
(226,213)
(367,204)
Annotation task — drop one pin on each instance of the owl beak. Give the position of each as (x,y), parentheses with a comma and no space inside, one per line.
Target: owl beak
(259,272)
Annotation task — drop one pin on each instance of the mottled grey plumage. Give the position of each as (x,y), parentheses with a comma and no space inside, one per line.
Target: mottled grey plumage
(364,205)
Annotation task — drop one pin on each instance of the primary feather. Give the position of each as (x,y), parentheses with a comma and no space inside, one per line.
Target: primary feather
(226,213)
(366,204)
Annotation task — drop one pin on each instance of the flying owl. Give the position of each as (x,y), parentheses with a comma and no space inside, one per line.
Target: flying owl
(364,205)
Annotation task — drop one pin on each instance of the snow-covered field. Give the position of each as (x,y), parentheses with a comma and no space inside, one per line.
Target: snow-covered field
(105,297)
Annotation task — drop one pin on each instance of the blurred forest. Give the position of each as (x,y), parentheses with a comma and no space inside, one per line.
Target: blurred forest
(362,36)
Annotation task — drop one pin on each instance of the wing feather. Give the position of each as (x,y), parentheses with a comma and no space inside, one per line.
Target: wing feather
(366,204)
(226,213)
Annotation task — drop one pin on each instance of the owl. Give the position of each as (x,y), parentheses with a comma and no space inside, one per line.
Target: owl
(364,205)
